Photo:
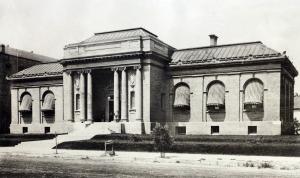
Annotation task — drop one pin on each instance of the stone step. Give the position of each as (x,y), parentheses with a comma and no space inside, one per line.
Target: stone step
(80,131)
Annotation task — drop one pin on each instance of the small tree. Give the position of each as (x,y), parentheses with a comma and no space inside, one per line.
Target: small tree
(162,139)
(291,128)
(296,126)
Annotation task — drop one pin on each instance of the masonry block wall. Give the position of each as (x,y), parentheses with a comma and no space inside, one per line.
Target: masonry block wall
(235,120)
(146,93)
(9,65)
(37,123)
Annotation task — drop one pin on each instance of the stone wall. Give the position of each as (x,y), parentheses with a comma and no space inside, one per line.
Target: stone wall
(235,120)
(9,65)
(38,121)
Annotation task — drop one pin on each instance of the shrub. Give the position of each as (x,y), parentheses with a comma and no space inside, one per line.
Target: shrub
(248,164)
(291,128)
(162,139)
(265,165)
(296,127)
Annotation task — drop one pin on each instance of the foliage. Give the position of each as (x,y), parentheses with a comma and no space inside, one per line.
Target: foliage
(265,165)
(291,128)
(162,139)
(296,127)
(14,139)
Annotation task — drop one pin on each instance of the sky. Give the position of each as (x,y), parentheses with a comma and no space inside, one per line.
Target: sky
(46,26)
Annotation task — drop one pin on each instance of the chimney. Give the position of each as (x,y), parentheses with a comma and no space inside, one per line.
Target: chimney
(213,39)
(2,48)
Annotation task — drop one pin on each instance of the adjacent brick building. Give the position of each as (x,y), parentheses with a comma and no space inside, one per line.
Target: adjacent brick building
(129,80)
(11,61)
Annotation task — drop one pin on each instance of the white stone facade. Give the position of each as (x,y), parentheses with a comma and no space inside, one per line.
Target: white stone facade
(129,78)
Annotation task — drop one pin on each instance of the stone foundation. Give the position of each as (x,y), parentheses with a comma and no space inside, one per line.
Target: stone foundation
(228,128)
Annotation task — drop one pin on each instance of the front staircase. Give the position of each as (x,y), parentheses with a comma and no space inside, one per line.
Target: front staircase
(81,131)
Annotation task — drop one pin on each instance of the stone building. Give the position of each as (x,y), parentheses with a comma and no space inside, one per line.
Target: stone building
(297,107)
(11,61)
(129,80)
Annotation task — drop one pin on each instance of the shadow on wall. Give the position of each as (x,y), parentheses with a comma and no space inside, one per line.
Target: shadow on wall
(27,118)
(50,119)
(181,114)
(255,115)
(217,116)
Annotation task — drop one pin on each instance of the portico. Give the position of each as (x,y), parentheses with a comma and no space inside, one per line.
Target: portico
(96,93)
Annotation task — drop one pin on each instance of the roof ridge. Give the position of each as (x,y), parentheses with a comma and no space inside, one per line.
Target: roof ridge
(216,46)
(27,54)
(129,29)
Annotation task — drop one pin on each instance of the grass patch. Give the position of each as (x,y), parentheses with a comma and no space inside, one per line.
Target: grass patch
(271,145)
(14,139)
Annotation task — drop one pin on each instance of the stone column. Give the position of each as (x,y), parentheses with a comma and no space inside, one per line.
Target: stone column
(89,97)
(82,96)
(138,90)
(68,96)
(116,94)
(124,95)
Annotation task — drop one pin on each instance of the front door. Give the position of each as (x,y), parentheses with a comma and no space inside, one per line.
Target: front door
(109,109)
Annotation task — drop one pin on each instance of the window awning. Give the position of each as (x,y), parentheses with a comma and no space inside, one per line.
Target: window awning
(216,95)
(254,93)
(49,102)
(182,96)
(26,103)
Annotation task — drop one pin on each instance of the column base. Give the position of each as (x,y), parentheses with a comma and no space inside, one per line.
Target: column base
(88,122)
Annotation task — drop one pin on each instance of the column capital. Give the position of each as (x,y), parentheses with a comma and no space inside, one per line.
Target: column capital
(69,72)
(122,68)
(88,71)
(137,67)
(81,71)
(114,69)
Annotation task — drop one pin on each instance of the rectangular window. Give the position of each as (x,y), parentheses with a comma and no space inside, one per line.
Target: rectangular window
(47,130)
(163,101)
(25,129)
(181,130)
(77,102)
(252,130)
(152,126)
(215,130)
(132,100)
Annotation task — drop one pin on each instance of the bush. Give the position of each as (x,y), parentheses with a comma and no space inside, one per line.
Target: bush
(265,165)
(162,139)
(296,127)
(291,128)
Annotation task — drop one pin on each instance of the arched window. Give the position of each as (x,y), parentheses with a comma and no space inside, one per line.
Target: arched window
(253,95)
(26,103)
(182,96)
(216,97)
(48,104)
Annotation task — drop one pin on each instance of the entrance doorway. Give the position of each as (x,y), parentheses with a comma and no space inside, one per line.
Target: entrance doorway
(109,109)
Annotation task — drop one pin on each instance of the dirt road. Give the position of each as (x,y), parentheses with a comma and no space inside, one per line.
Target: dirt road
(25,167)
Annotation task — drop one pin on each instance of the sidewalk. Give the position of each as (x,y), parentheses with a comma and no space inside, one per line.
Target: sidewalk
(279,163)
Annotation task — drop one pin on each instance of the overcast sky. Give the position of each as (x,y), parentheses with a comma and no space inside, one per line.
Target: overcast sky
(46,26)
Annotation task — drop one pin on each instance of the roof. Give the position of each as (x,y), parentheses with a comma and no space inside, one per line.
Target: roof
(118,34)
(40,70)
(297,102)
(222,53)
(25,54)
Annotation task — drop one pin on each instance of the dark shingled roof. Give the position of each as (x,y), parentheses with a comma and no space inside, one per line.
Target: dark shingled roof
(222,53)
(116,35)
(40,70)
(25,54)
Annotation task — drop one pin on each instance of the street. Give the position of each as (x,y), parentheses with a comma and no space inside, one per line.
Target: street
(25,167)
